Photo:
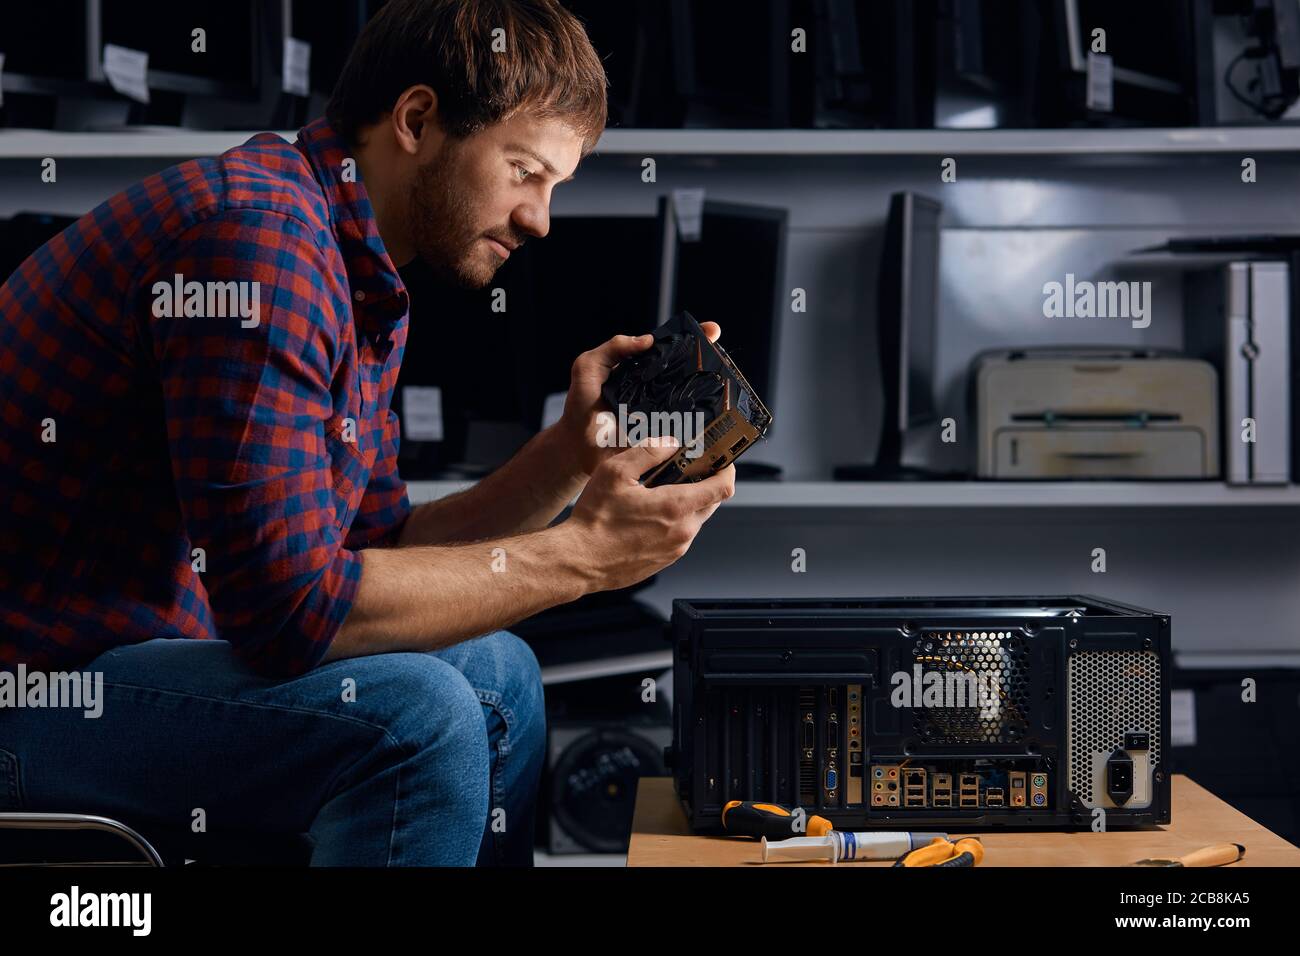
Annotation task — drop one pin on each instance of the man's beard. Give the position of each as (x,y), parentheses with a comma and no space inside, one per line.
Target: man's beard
(445,231)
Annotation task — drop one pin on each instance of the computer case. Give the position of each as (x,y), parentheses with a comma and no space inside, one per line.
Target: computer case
(852,709)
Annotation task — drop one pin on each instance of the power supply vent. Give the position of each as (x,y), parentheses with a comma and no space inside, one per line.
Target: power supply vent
(1110,694)
(989,670)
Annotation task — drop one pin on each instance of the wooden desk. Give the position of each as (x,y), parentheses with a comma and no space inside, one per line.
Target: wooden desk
(661,837)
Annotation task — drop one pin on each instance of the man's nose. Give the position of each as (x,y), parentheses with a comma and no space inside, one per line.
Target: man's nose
(533,218)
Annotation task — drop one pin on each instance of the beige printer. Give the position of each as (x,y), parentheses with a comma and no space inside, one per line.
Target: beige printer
(1054,413)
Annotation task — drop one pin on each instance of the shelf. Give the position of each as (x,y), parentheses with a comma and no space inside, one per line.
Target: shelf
(182,144)
(1000,142)
(973,494)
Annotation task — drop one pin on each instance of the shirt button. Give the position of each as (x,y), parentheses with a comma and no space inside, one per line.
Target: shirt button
(359,296)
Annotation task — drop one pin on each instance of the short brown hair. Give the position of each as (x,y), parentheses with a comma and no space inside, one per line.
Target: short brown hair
(548,66)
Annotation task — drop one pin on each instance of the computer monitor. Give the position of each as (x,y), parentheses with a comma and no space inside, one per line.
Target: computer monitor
(1152,47)
(46,47)
(331,27)
(976,84)
(48,53)
(906,322)
(634,41)
(732,274)
(737,70)
(230,65)
(591,278)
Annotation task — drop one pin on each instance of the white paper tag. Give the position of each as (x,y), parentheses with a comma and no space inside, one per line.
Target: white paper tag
(2,79)
(1100,95)
(296,76)
(126,71)
(422,412)
(1182,718)
(553,408)
(688,207)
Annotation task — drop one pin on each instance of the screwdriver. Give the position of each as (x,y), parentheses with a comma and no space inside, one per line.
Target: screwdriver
(770,820)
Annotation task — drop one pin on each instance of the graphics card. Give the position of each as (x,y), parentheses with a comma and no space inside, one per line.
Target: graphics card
(686,386)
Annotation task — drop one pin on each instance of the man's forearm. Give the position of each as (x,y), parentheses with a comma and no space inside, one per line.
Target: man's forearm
(525,494)
(425,598)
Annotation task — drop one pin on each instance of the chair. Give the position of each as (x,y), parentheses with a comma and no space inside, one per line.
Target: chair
(51,838)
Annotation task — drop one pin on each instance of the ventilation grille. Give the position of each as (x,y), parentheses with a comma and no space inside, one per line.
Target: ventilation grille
(993,667)
(1110,693)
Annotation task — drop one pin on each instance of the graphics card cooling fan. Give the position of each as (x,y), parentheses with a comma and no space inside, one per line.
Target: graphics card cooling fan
(689,387)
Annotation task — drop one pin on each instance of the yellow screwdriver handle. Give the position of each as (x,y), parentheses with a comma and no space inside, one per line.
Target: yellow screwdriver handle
(1219,855)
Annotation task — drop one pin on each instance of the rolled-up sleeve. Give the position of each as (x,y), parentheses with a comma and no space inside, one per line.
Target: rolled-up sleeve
(385,505)
(245,408)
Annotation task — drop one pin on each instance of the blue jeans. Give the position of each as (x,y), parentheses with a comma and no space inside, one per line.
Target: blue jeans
(404,759)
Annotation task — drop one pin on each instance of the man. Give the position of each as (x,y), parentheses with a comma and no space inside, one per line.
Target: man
(197,442)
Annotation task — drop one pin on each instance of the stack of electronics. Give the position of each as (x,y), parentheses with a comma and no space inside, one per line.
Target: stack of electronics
(857,64)
(952,712)
(920,64)
(99,64)
(1221,408)
(466,409)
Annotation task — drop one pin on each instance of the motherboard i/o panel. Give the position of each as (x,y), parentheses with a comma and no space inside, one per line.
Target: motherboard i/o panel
(1021,712)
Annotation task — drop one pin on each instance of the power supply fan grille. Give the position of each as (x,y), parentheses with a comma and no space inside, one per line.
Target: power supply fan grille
(996,662)
(1110,693)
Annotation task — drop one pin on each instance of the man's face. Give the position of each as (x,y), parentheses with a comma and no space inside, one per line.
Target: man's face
(475,201)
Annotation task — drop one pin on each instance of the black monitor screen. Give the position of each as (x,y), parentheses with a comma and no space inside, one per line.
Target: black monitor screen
(1139,36)
(331,27)
(732,275)
(920,308)
(165,30)
(908,306)
(45,39)
(593,277)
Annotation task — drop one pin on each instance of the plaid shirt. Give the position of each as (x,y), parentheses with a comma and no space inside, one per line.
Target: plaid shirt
(201,476)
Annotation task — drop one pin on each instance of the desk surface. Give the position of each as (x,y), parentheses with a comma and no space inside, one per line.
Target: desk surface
(661,837)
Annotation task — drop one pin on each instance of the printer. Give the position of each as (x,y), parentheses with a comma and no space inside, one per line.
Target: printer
(1100,413)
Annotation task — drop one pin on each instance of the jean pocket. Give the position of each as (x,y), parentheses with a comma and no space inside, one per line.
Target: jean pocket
(10,798)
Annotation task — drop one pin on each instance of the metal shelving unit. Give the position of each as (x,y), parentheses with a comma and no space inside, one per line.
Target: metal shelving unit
(29,144)
(973,494)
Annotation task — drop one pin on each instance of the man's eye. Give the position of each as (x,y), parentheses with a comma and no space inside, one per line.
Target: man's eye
(522,172)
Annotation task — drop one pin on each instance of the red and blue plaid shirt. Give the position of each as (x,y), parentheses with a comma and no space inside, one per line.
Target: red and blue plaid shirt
(201,475)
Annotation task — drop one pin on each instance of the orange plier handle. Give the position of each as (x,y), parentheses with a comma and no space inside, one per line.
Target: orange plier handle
(941,852)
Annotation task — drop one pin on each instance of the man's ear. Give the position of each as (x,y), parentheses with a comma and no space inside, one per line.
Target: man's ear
(415,122)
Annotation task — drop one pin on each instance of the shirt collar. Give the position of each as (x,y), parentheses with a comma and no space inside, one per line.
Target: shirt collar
(379,298)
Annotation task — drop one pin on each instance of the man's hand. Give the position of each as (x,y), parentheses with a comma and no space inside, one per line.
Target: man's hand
(626,531)
(579,423)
